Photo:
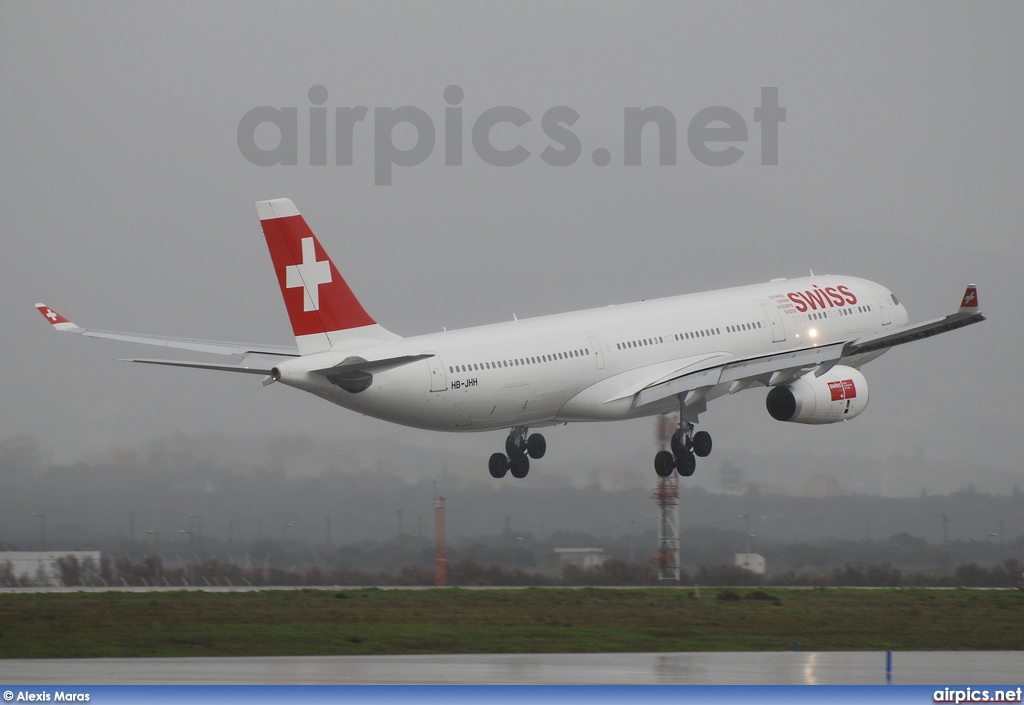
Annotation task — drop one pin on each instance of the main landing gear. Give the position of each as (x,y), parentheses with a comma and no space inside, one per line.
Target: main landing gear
(519,448)
(685,445)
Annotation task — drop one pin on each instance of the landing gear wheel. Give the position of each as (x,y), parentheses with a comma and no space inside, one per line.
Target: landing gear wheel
(498,465)
(520,466)
(512,446)
(536,446)
(702,444)
(686,464)
(680,444)
(664,463)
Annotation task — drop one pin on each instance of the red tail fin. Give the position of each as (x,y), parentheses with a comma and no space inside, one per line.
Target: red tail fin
(318,300)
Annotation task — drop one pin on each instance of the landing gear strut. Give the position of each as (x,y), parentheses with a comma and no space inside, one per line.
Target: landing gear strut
(519,448)
(685,445)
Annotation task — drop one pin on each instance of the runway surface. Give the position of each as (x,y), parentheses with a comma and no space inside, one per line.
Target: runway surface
(783,668)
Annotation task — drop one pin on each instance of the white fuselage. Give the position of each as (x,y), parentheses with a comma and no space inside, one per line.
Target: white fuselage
(588,365)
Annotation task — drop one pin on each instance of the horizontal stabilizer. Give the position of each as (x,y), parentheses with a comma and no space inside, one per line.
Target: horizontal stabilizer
(358,364)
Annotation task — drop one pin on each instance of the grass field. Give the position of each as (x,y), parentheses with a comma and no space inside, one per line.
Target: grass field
(372,621)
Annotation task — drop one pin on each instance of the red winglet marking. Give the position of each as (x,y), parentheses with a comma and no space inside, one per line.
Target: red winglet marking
(52,316)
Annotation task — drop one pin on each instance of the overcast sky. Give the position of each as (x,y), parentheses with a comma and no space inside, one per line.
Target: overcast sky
(127,203)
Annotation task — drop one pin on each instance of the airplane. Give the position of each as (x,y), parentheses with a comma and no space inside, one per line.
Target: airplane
(805,339)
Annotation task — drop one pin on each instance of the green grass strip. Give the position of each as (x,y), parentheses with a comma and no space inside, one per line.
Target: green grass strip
(535,620)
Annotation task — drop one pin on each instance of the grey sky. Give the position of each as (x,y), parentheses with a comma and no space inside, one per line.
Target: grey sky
(127,204)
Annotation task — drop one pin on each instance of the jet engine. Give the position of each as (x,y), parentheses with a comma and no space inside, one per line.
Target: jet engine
(839,394)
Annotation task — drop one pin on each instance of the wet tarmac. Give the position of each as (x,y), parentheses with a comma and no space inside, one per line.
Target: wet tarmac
(782,668)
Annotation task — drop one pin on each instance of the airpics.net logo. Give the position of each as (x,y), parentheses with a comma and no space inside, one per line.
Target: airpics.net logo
(715,136)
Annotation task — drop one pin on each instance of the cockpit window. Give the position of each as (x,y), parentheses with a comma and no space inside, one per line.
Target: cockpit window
(894,299)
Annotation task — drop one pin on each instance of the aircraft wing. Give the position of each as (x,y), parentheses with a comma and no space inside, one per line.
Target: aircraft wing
(768,370)
(62,324)
(965,316)
(202,365)
(700,382)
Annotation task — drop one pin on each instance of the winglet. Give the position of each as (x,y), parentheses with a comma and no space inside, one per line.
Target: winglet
(56,320)
(969,304)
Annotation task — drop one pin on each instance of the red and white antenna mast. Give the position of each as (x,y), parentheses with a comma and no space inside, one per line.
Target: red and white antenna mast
(440,562)
(666,496)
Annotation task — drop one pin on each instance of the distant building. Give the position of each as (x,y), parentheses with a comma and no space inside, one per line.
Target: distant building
(754,562)
(43,567)
(581,557)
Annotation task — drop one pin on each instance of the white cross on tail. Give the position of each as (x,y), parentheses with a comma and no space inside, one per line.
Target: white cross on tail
(309,275)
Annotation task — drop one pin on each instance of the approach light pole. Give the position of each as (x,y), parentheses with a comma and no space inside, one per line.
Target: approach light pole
(42,529)
(191,548)
(159,559)
(199,531)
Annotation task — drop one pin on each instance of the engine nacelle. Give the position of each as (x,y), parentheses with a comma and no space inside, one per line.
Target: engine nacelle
(839,394)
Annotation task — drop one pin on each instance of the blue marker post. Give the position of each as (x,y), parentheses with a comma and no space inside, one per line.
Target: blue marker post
(796,645)
(888,666)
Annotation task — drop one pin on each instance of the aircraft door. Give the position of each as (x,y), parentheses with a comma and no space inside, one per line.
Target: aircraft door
(882,299)
(775,321)
(438,378)
(597,352)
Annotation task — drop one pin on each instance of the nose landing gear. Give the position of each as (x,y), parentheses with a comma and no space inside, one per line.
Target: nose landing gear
(519,448)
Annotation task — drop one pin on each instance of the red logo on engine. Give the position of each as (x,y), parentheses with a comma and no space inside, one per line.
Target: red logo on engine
(844,389)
